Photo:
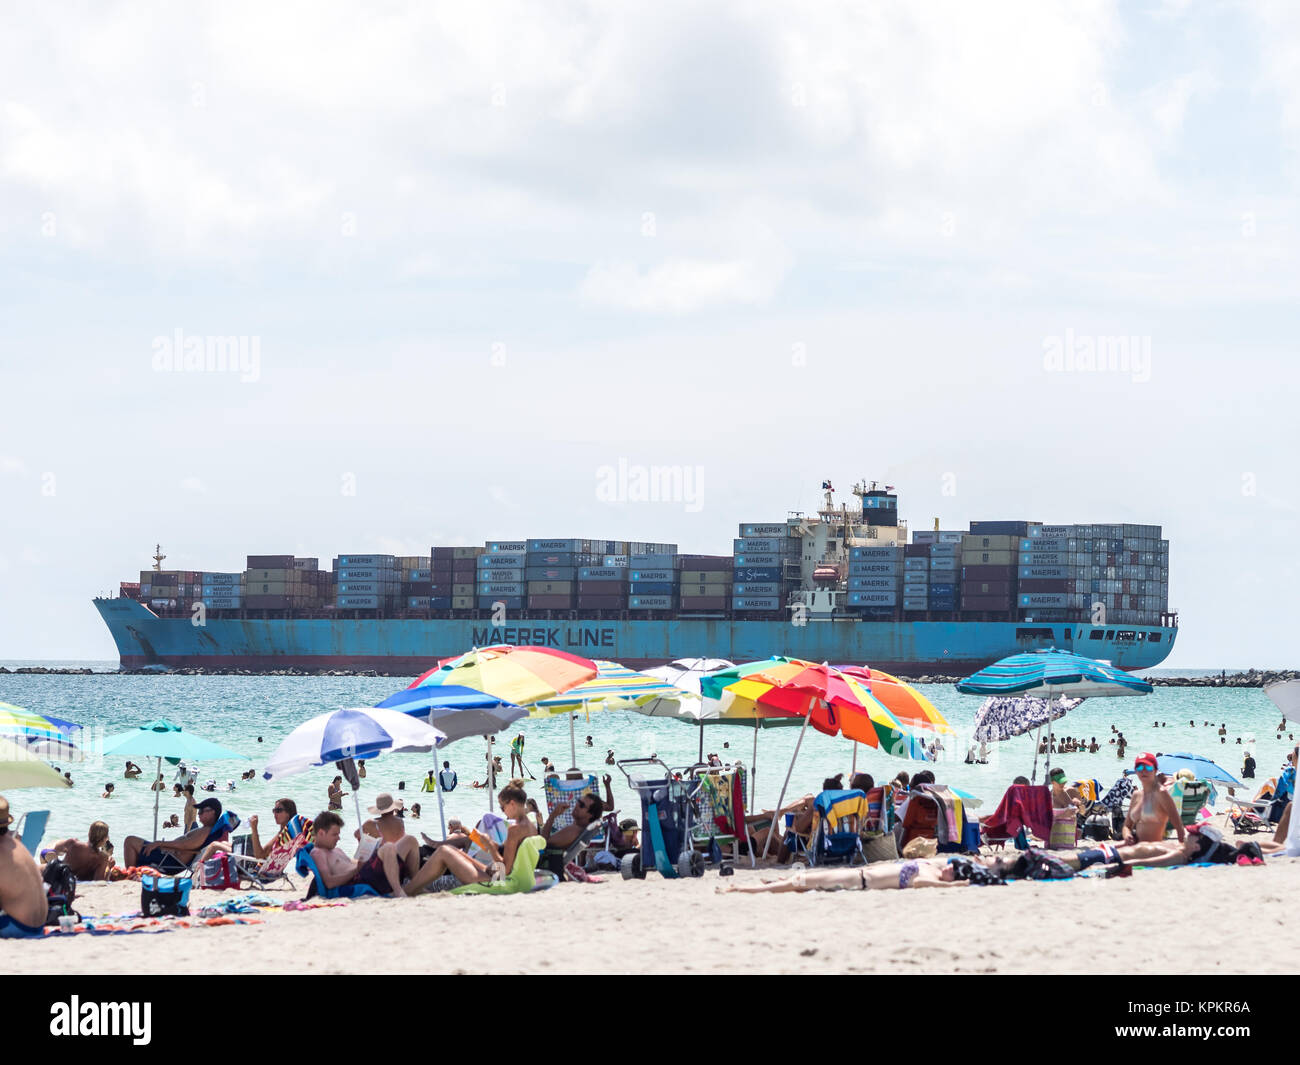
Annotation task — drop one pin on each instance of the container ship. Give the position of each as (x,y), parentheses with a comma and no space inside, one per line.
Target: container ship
(843,585)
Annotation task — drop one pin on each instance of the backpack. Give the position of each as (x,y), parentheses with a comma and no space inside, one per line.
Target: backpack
(1037,864)
(60,891)
(219,872)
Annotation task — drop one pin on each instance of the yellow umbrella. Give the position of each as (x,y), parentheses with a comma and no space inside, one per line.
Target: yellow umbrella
(20,769)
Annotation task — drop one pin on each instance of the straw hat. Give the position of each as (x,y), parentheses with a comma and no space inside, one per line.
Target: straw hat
(386,804)
(921,848)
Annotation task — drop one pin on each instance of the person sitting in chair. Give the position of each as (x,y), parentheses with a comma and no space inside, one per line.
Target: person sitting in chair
(177,855)
(24,904)
(587,810)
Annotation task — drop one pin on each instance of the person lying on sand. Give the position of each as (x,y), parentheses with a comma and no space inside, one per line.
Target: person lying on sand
(23,903)
(450,867)
(1201,844)
(89,860)
(879,876)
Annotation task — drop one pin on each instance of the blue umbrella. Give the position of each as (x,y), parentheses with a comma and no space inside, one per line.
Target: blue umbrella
(1050,673)
(458,712)
(1204,768)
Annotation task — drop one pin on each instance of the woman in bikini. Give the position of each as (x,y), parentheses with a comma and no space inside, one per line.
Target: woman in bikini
(1152,810)
(879,876)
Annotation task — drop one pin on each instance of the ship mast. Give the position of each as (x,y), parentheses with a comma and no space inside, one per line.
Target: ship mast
(158,557)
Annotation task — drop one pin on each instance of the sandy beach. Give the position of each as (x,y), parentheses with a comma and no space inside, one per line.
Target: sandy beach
(1217,920)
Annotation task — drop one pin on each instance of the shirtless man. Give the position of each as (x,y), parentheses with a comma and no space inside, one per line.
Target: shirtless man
(1152,809)
(174,856)
(337,869)
(399,852)
(23,903)
(879,876)
(89,860)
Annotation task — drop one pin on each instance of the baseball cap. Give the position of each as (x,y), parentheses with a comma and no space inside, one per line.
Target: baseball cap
(210,804)
(1145,761)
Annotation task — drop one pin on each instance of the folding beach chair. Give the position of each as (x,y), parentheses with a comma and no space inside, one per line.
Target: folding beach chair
(1192,796)
(567,792)
(836,827)
(721,818)
(31,829)
(265,872)
(305,864)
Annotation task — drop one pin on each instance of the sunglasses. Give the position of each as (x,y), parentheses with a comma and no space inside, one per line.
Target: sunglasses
(278,810)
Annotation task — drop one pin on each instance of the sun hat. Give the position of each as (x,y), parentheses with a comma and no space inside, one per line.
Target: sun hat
(386,804)
(1146,759)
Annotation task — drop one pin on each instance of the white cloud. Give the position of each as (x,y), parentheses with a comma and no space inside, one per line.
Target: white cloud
(12,466)
(678,286)
(193,486)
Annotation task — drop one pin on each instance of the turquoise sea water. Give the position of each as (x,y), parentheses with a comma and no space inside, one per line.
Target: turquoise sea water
(234,711)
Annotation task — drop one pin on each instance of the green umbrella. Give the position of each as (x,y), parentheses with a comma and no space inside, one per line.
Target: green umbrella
(19,768)
(164,739)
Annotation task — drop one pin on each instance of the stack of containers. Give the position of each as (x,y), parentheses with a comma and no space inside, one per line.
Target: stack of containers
(417,584)
(916,578)
(367,582)
(759,560)
(499,576)
(317,584)
(875,578)
(158,587)
(988,570)
(654,574)
(128,590)
(458,566)
(945,571)
(551,571)
(223,591)
(271,582)
(603,586)
(1045,572)
(706,582)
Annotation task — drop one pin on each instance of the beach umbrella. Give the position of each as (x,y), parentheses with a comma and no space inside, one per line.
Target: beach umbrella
(19,768)
(161,739)
(614,687)
(519,675)
(903,701)
(1002,717)
(346,735)
(1051,672)
(685,673)
(24,726)
(1285,695)
(1204,768)
(458,713)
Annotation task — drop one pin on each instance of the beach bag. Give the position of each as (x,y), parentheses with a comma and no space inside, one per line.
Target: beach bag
(60,891)
(219,872)
(1037,864)
(1097,825)
(879,847)
(164,896)
(1065,824)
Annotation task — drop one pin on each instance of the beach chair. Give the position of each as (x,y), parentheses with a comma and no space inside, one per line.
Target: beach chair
(30,829)
(567,792)
(836,827)
(305,864)
(523,876)
(1192,796)
(722,813)
(265,872)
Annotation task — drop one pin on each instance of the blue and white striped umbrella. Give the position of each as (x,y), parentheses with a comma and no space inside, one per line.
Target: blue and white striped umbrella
(360,733)
(1002,717)
(1051,673)
(456,711)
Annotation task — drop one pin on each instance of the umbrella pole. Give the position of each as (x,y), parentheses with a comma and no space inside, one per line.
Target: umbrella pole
(356,801)
(1038,735)
(753,770)
(701,758)
(776,816)
(573,740)
(854,771)
(156,795)
(491,774)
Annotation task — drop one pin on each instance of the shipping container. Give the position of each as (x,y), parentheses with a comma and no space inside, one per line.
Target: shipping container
(506,547)
(647,560)
(1044,586)
(463,589)
(873,569)
(612,588)
(550,602)
(759,560)
(548,573)
(1043,599)
(751,590)
(387,561)
(1037,544)
(643,588)
(651,602)
(759,529)
(925,538)
(210,577)
(417,602)
(1001,529)
(504,560)
(502,573)
(462,553)
(872,598)
(872,584)
(990,543)
(986,588)
(996,604)
(510,602)
(942,589)
(602,573)
(704,602)
(706,563)
(754,574)
(760,602)
(1044,558)
(875,554)
(462,602)
(694,576)
(945,550)
(912,604)
(614,561)
(506,588)
(665,576)
(551,587)
(951,537)
(269,562)
(601,602)
(1043,573)
(911,565)
(572,546)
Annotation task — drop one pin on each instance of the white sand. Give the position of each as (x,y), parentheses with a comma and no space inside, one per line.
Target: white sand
(1220,920)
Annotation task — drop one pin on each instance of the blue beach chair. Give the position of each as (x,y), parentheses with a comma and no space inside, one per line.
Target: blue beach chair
(836,837)
(306,866)
(33,829)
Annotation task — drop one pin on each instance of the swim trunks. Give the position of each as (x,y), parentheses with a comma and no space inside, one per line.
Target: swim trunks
(444,883)
(372,875)
(907,873)
(11,929)
(1105,854)
(163,861)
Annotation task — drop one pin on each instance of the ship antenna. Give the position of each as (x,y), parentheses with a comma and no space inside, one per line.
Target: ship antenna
(158,557)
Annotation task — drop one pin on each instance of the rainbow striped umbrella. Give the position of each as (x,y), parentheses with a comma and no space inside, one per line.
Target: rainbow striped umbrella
(615,687)
(519,675)
(904,702)
(21,725)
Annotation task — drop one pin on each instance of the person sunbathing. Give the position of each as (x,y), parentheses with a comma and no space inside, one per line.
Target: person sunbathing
(1201,843)
(1152,810)
(450,867)
(89,860)
(177,855)
(381,871)
(879,876)
(23,902)
(283,811)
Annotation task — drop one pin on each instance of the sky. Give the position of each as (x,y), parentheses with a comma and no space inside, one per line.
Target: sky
(1021,261)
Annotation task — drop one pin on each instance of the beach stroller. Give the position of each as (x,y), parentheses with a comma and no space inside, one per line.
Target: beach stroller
(669,806)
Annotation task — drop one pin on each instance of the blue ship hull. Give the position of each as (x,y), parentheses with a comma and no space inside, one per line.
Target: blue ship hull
(410,646)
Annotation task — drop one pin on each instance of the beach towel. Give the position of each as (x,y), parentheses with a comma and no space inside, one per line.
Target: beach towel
(1023,805)
(522,877)
(947,825)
